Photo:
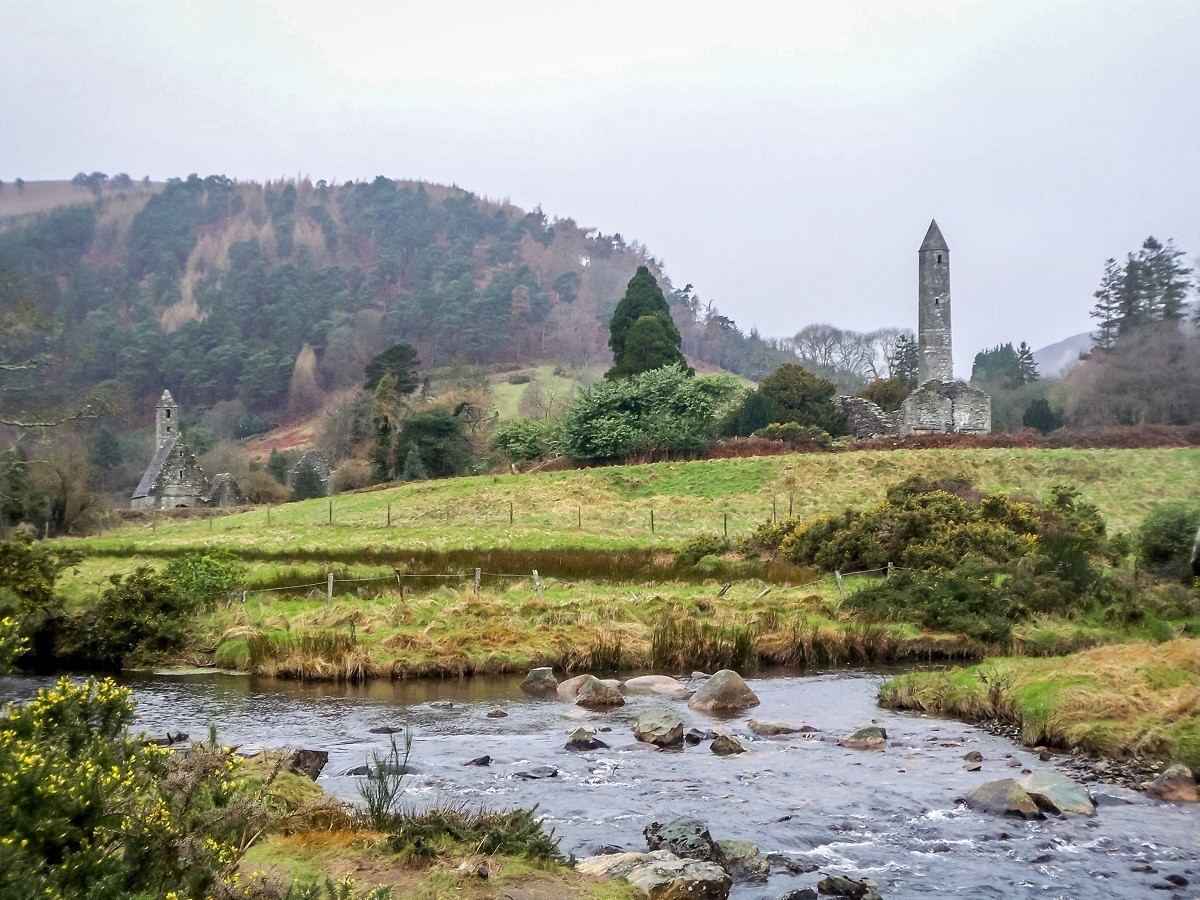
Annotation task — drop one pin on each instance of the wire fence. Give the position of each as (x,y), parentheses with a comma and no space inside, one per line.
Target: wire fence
(539,582)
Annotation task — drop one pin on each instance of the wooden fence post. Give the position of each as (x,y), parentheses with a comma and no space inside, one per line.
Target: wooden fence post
(579,517)
(330,512)
(268,517)
(774,514)
(510,512)
(652,521)
(891,569)
(329,592)
(841,589)
(537,583)
(725,523)
(389,524)
(478,573)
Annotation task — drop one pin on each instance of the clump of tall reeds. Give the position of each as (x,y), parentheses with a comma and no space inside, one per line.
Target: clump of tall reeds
(680,642)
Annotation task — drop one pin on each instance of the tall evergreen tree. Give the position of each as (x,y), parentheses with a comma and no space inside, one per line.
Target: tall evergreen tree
(902,361)
(307,483)
(1026,364)
(642,334)
(1107,311)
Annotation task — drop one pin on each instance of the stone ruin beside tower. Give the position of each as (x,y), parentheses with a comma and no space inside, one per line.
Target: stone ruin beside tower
(939,404)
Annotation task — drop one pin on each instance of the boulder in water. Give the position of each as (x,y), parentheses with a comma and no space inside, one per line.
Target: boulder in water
(1057,794)
(659,726)
(584,738)
(596,694)
(538,772)
(850,888)
(1003,798)
(497,714)
(685,837)
(725,691)
(771,729)
(743,861)
(540,681)
(724,745)
(386,729)
(479,761)
(656,684)
(870,738)
(695,736)
(661,875)
(570,688)
(1176,784)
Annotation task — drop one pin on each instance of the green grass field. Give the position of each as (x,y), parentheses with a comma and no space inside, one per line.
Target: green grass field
(610,508)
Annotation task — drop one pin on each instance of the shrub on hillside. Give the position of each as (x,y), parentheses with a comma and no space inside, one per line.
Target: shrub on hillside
(662,410)
(351,475)
(796,436)
(702,545)
(139,615)
(201,578)
(1165,538)
(923,523)
(523,439)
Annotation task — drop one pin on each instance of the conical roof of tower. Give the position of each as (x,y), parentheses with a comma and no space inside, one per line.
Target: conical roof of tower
(166,399)
(933,238)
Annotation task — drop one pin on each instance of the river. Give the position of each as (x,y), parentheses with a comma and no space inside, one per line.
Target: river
(890,815)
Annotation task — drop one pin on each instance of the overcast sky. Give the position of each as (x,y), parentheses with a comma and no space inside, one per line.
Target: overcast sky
(783,158)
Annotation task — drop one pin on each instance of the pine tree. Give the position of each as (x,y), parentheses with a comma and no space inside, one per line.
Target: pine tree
(277,465)
(902,361)
(638,345)
(1026,364)
(1107,310)
(414,467)
(308,483)
(1166,279)
(385,417)
(1040,416)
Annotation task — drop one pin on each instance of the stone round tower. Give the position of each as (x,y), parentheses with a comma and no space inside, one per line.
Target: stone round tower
(166,422)
(935,358)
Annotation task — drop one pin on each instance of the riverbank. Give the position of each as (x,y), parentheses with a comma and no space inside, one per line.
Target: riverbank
(1139,700)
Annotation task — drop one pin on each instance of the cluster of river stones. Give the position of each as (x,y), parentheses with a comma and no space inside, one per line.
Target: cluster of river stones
(682,859)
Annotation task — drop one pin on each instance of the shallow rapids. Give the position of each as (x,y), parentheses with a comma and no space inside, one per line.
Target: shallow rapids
(893,815)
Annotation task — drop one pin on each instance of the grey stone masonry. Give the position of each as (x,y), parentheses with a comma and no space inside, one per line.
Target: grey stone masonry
(935,355)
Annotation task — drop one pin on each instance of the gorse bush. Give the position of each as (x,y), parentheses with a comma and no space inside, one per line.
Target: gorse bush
(1167,534)
(95,813)
(702,545)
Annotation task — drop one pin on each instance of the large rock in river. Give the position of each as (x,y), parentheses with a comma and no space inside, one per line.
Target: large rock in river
(685,836)
(849,888)
(309,762)
(743,861)
(540,681)
(771,729)
(661,875)
(1057,794)
(870,738)
(570,688)
(1003,798)
(597,694)
(726,745)
(1176,784)
(656,684)
(659,726)
(584,738)
(725,691)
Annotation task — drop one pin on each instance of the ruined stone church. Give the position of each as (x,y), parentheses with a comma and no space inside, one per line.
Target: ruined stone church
(174,479)
(940,404)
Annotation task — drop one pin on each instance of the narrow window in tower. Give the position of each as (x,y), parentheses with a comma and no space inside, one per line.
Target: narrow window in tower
(939,259)
(169,412)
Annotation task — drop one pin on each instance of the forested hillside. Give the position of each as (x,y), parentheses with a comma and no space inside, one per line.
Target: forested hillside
(224,290)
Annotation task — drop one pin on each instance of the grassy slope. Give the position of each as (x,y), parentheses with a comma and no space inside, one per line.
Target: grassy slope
(506,398)
(687,499)
(1119,700)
